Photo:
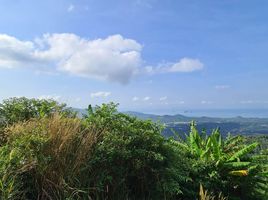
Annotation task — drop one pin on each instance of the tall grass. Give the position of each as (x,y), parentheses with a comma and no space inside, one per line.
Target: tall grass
(43,158)
(205,195)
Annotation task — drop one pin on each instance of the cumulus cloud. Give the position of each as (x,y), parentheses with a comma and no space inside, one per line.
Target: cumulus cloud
(186,65)
(114,59)
(100,94)
(146,98)
(15,53)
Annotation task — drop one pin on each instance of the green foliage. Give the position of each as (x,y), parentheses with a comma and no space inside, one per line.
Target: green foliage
(47,152)
(227,166)
(134,161)
(22,109)
(107,155)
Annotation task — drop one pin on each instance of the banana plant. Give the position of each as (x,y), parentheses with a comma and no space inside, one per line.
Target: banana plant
(233,159)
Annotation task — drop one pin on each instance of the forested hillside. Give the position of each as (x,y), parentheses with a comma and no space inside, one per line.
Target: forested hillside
(235,125)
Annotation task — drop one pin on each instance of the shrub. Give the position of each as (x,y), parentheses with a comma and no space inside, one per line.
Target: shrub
(133,160)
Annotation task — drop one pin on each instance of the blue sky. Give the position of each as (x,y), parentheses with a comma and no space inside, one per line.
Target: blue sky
(148,55)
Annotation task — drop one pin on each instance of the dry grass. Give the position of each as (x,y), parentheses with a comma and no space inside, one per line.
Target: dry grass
(66,147)
(205,195)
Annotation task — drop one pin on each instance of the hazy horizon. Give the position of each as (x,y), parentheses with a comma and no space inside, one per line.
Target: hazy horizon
(212,112)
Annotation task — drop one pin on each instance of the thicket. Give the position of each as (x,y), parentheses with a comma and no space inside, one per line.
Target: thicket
(47,152)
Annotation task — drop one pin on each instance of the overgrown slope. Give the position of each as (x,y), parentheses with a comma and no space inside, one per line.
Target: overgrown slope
(47,152)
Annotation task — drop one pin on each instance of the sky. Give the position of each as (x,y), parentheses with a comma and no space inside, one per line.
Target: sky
(147,55)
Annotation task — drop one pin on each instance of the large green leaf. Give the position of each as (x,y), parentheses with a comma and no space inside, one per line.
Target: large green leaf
(237,165)
(243,152)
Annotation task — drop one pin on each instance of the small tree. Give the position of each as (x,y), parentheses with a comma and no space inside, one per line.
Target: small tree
(22,109)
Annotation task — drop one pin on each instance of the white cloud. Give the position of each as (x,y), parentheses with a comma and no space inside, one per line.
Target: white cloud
(146,98)
(54,97)
(14,53)
(114,59)
(186,65)
(70,8)
(100,94)
(135,98)
(181,102)
(163,98)
(222,87)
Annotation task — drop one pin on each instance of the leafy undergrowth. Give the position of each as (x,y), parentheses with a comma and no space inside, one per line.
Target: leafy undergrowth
(47,152)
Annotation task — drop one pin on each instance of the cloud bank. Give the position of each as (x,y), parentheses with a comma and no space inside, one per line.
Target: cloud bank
(114,59)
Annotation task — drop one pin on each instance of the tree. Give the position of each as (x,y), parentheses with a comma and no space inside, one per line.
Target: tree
(22,109)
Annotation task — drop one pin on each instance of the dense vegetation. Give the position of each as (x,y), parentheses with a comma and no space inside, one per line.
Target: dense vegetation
(47,152)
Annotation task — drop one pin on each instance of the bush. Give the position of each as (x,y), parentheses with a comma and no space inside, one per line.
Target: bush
(133,160)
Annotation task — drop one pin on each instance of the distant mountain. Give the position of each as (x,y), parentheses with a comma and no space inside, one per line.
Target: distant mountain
(180,123)
(160,118)
(234,125)
(181,118)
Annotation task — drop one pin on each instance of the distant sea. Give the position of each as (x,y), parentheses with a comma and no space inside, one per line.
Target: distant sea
(226,113)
